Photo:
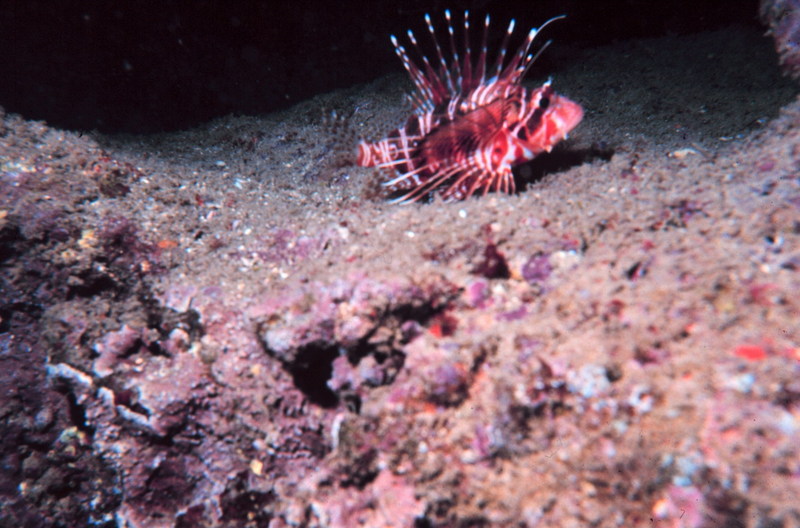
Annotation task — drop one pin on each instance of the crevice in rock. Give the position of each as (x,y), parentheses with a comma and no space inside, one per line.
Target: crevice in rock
(311,371)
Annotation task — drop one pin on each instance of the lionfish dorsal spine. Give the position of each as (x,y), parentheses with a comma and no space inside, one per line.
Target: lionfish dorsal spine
(466,70)
(501,55)
(525,59)
(413,71)
(480,75)
(459,82)
(444,74)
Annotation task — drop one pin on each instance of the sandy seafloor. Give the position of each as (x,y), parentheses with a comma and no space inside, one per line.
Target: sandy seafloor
(229,326)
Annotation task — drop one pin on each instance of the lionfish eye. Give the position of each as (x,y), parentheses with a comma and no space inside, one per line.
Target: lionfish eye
(544,102)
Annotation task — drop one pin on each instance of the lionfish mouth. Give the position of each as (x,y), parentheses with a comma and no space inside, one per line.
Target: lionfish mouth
(566,115)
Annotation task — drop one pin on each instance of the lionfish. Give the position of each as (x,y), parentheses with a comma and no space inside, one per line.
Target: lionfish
(471,122)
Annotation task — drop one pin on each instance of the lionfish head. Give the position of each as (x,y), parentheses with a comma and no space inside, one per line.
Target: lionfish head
(550,119)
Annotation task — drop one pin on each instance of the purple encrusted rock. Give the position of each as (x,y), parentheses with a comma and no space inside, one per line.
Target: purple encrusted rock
(113,346)
(537,269)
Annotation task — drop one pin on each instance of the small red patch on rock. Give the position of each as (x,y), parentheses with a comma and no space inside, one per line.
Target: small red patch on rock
(750,352)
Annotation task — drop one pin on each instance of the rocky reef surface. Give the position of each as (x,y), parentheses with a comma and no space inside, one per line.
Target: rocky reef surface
(230,327)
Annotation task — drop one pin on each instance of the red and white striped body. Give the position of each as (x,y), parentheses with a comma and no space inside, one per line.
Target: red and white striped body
(467,130)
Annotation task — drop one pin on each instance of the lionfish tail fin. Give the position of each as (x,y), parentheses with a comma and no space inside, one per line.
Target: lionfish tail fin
(338,151)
